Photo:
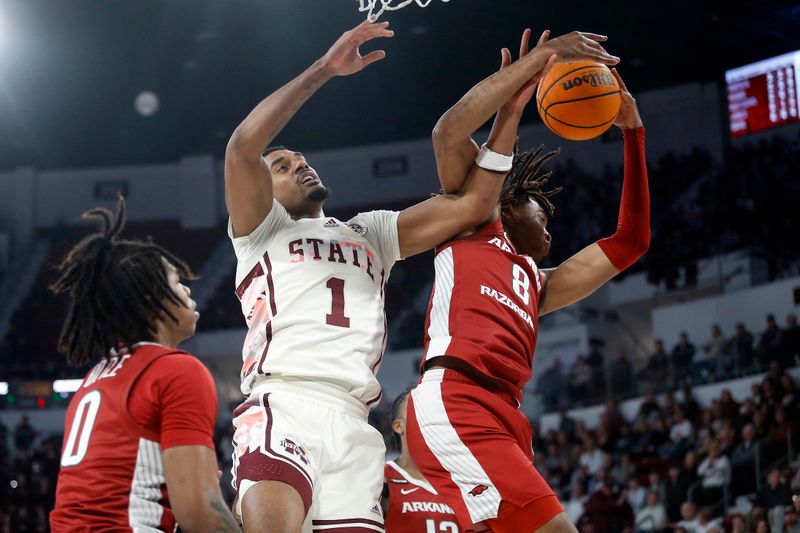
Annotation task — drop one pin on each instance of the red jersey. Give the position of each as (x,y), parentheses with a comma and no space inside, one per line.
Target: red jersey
(128,409)
(484,307)
(414,505)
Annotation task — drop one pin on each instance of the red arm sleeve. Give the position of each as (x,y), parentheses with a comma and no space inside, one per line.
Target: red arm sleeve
(632,237)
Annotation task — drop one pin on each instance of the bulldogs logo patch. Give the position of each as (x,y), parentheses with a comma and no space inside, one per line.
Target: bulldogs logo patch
(294,449)
(358,229)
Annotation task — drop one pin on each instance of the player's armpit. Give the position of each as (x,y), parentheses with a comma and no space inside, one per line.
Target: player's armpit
(194,493)
(575,279)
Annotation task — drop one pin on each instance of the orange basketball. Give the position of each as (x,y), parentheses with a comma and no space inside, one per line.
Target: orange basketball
(579,100)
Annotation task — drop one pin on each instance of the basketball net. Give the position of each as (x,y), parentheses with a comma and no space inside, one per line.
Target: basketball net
(375,8)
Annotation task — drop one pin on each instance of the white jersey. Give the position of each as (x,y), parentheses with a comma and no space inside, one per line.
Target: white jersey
(312,293)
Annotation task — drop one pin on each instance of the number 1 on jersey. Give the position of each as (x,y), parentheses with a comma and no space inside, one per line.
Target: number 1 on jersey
(336,316)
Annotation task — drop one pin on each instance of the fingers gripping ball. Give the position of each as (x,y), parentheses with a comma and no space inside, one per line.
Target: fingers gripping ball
(579,100)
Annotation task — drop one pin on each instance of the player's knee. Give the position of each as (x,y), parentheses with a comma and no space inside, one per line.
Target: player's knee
(272,507)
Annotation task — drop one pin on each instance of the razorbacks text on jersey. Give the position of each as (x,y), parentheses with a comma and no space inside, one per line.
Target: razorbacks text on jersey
(128,409)
(312,293)
(414,505)
(484,306)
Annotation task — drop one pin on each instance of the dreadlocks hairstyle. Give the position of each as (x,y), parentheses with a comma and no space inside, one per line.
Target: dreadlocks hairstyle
(117,289)
(526,180)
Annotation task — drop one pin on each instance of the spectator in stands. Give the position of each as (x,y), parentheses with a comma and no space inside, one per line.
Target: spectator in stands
(653,517)
(743,462)
(621,375)
(769,345)
(682,356)
(791,340)
(655,372)
(738,525)
(580,377)
(24,434)
(637,495)
(609,510)
(690,406)
(714,359)
(774,496)
(596,360)
(681,431)
(574,507)
(676,491)
(688,519)
(705,521)
(552,386)
(791,523)
(622,470)
(790,397)
(715,473)
(592,457)
(566,424)
(743,349)
(649,409)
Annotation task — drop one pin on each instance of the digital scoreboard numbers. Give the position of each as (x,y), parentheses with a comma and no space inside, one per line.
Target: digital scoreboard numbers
(764,95)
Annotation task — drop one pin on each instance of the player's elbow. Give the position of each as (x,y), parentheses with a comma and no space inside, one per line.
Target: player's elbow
(445,133)
(476,209)
(240,146)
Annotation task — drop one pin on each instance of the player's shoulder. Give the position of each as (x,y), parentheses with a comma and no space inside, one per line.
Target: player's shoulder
(173,365)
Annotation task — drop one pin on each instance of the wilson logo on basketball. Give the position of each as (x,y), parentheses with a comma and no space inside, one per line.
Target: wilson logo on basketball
(478,490)
(593,79)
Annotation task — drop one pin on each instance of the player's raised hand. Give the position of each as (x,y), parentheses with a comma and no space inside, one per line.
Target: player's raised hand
(580,45)
(523,96)
(628,116)
(344,57)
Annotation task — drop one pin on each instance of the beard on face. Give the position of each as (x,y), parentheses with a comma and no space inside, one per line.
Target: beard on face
(320,193)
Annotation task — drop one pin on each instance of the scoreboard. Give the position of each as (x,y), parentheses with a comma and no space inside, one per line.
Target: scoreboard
(764,95)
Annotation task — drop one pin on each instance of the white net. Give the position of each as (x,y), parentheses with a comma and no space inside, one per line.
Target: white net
(375,8)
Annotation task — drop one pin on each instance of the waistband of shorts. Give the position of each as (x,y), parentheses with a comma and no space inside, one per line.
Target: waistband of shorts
(439,375)
(327,396)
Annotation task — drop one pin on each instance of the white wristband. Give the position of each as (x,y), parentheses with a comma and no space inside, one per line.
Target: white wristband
(493,161)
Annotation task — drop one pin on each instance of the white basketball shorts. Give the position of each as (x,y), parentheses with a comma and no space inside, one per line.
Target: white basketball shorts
(319,444)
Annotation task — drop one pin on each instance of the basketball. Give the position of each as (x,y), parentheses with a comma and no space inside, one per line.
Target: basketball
(578,101)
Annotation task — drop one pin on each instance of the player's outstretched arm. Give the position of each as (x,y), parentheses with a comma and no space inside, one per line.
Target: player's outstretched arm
(194,493)
(588,270)
(453,146)
(248,187)
(430,223)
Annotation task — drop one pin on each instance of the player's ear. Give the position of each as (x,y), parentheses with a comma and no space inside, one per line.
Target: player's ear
(398,426)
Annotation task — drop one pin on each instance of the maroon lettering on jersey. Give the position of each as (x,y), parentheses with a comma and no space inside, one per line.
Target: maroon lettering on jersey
(296,251)
(336,253)
(315,243)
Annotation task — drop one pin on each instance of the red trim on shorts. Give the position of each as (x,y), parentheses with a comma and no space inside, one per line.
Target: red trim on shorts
(255,466)
(268,434)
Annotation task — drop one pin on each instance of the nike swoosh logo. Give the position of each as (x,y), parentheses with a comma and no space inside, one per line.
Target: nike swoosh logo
(408,491)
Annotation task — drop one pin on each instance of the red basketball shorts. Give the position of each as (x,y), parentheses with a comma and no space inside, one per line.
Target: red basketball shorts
(474,446)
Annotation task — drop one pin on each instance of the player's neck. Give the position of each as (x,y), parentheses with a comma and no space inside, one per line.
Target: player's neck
(311,212)
(166,337)
(406,463)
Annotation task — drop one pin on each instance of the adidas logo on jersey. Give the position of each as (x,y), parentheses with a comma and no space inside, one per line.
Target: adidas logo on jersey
(376,509)
(331,223)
